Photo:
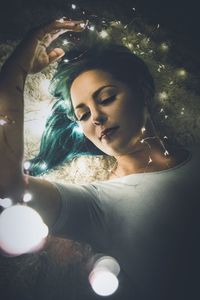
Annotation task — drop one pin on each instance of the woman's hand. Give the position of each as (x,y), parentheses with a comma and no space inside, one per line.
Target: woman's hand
(32,54)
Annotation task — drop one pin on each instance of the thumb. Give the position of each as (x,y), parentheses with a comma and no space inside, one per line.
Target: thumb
(55,54)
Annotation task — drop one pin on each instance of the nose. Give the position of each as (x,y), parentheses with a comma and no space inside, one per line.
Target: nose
(98,117)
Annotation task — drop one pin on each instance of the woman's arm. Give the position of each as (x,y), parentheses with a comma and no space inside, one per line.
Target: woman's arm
(31,56)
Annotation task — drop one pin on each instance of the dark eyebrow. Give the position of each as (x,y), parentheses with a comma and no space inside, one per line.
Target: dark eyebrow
(95,94)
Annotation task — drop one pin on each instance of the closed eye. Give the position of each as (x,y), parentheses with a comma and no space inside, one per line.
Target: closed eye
(84,116)
(108,100)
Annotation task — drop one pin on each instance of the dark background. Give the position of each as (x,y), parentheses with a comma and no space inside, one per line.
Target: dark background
(179,20)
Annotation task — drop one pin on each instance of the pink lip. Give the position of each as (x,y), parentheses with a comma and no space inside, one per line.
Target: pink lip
(107,132)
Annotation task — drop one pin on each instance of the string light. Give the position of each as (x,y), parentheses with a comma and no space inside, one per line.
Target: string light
(164,47)
(181,73)
(27,165)
(103,34)
(22,230)
(130,46)
(27,197)
(103,277)
(160,67)
(143,129)
(73,6)
(163,96)
(150,160)
(92,27)
(4,120)
(6,202)
(65,42)
(182,111)
(166,153)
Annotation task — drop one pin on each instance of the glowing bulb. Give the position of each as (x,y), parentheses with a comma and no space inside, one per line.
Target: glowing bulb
(43,166)
(27,165)
(65,42)
(66,60)
(164,47)
(92,28)
(163,96)
(103,34)
(21,230)
(27,197)
(103,282)
(150,160)
(103,277)
(130,45)
(6,202)
(3,122)
(143,129)
(182,73)
(73,6)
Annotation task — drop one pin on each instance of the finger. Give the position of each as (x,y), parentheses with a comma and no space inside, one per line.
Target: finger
(49,33)
(63,24)
(55,54)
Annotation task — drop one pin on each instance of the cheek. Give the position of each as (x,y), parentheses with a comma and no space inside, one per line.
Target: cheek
(88,131)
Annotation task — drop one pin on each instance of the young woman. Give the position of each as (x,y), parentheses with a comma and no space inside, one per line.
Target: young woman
(146,214)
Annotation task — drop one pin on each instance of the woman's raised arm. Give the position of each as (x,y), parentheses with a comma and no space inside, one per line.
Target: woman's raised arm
(30,56)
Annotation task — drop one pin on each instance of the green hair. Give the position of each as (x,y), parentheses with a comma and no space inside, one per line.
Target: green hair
(61,141)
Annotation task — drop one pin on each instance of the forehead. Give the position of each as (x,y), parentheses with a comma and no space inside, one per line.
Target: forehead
(87,83)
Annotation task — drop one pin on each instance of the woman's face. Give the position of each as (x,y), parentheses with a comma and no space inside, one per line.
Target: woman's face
(108,111)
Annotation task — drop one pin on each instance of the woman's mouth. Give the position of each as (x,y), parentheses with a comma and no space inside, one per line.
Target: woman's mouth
(105,134)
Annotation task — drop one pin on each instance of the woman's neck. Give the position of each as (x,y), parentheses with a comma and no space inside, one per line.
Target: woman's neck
(149,154)
(145,158)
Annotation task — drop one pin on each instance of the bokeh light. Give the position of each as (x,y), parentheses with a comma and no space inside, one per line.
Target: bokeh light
(21,230)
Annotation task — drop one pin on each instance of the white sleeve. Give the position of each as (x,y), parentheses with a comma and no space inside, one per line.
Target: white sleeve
(81,216)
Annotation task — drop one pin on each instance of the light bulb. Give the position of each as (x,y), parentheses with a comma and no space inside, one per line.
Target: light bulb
(21,230)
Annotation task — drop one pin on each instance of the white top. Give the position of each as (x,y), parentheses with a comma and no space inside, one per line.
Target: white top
(149,222)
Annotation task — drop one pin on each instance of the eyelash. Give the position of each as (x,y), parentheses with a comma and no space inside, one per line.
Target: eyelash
(104,102)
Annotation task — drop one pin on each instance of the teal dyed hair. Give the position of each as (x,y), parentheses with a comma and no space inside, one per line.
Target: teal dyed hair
(61,142)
